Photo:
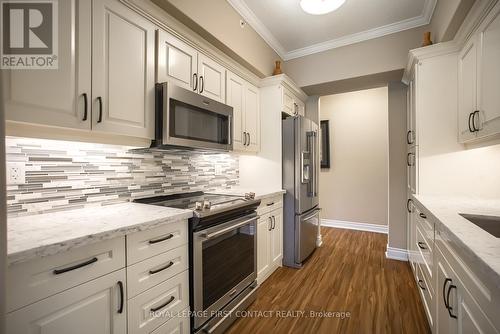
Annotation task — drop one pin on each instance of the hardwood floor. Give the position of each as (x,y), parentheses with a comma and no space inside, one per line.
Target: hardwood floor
(349,273)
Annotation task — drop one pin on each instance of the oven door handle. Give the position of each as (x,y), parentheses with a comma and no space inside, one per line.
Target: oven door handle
(228,229)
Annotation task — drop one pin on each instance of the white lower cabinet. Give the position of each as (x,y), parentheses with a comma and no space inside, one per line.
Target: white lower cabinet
(454,298)
(269,237)
(97,307)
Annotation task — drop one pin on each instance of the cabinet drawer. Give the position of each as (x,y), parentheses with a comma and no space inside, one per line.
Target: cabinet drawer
(177,325)
(426,293)
(148,273)
(166,299)
(425,250)
(145,244)
(31,281)
(269,204)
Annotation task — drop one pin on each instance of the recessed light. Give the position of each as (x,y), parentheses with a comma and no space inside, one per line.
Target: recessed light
(319,7)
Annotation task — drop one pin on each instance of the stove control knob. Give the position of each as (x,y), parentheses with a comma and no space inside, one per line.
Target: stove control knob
(207,204)
(199,205)
(250,195)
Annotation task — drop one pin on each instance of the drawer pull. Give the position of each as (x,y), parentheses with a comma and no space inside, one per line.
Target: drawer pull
(154,309)
(120,285)
(448,301)
(421,245)
(170,236)
(152,272)
(422,215)
(76,266)
(269,204)
(420,284)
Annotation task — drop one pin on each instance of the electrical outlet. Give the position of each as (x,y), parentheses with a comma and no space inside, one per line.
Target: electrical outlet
(16,173)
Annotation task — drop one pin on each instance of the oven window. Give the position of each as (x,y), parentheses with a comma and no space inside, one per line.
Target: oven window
(227,260)
(194,123)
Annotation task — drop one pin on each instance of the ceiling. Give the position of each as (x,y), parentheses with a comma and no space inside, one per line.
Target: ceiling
(292,33)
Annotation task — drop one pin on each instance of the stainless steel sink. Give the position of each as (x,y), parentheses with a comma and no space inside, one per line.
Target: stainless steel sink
(490,224)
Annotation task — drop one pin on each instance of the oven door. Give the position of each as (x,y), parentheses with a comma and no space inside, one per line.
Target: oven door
(195,121)
(224,264)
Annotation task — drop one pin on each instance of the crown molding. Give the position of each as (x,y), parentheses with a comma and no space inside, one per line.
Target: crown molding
(248,15)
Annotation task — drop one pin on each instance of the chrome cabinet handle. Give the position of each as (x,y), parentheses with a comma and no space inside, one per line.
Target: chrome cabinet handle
(122,299)
(76,266)
(155,271)
(154,309)
(170,236)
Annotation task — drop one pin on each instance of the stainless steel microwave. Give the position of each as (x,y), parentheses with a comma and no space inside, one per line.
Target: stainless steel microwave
(187,119)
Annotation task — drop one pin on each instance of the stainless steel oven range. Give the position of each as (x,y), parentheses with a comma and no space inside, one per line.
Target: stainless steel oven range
(223,256)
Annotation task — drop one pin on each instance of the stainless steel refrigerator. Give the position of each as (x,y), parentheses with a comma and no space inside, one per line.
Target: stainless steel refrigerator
(300,180)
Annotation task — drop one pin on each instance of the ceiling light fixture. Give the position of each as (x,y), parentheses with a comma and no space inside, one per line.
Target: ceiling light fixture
(319,7)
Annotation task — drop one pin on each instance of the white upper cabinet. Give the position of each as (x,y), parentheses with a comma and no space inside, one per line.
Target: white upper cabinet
(252,117)
(236,99)
(488,118)
(479,79)
(123,69)
(177,62)
(467,84)
(244,98)
(291,104)
(56,97)
(212,79)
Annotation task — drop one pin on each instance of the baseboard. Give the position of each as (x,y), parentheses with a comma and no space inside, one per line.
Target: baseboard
(354,226)
(396,253)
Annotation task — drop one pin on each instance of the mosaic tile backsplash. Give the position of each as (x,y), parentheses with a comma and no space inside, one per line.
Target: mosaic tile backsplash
(65,175)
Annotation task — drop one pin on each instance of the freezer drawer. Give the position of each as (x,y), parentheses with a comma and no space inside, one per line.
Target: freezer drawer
(306,232)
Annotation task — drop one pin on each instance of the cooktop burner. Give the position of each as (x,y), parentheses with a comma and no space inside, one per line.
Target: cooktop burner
(206,207)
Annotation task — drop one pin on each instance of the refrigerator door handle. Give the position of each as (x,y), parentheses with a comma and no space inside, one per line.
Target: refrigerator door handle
(314,164)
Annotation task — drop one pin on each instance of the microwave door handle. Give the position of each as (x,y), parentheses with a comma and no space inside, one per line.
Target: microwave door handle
(230,129)
(208,236)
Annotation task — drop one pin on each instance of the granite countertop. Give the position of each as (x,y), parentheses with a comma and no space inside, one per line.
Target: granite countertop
(480,249)
(241,191)
(30,237)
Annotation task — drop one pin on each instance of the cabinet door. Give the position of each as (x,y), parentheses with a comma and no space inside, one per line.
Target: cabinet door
(236,99)
(263,246)
(489,74)
(93,307)
(301,107)
(277,237)
(56,97)
(212,79)
(412,231)
(412,169)
(287,101)
(467,84)
(122,70)
(445,324)
(471,319)
(411,134)
(177,62)
(252,117)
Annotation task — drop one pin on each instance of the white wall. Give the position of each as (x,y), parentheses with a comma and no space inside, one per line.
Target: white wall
(355,188)
(369,57)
